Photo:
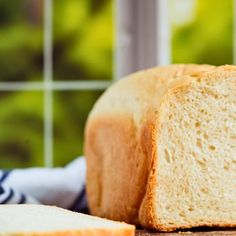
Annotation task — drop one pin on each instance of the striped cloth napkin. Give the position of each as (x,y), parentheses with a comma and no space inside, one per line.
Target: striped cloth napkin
(62,187)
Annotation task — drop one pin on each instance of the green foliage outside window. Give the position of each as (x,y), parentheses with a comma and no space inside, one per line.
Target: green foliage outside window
(82,48)
(207,38)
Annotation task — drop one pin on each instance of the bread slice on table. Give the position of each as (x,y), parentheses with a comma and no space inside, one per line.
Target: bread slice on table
(161,148)
(39,220)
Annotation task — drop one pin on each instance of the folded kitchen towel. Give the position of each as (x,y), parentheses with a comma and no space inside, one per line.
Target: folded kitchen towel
(62,187)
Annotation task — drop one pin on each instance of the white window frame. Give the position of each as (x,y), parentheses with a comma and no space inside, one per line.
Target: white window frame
(143,35)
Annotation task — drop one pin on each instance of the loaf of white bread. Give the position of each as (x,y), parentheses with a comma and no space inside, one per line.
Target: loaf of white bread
(38,220)
(161,148)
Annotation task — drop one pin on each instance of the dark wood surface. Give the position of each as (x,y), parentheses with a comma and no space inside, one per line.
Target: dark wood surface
(195,233)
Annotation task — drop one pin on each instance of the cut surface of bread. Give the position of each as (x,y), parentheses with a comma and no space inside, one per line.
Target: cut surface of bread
(164,141)
(47,220)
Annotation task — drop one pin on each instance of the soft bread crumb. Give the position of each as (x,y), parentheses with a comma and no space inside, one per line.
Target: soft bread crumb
(196,168)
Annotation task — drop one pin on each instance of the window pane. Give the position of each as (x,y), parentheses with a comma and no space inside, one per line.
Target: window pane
(83,40)
(21,135)
(202,31)
(21,40)
(70,114)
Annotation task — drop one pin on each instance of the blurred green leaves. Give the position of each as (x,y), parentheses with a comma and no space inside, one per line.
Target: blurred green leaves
(21,135)
(20,53)
(70,114)
(208,39)
(83,42)
(69,17)
(82,46)
(21,40)
(94,50)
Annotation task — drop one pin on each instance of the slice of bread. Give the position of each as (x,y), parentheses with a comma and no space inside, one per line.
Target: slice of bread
(31,220)
(161,148)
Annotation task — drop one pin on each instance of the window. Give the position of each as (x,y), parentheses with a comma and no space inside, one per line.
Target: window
(57,57)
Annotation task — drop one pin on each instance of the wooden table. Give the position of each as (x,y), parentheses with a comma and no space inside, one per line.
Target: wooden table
(196,233)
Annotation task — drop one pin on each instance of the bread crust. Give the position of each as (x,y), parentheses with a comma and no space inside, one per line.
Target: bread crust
(88,232)
(133,125)
(106,202)
(42,211)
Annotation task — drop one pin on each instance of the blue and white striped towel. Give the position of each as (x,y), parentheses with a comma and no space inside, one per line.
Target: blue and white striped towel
(63,187)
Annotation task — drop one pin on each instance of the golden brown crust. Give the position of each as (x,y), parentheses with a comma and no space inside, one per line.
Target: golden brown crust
(147,208)
(112,195)
(121,181)
(86,232)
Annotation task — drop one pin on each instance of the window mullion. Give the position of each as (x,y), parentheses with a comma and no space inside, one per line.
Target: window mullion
(163,33)
(48,78)
(143,35)
(234,32)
